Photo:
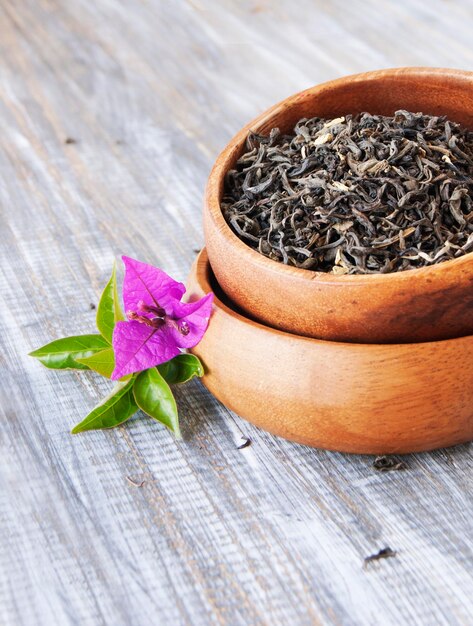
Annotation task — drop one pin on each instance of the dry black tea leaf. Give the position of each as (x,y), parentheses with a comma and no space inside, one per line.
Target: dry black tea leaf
(388,464)
(357,194)
(244,443)
(385,553)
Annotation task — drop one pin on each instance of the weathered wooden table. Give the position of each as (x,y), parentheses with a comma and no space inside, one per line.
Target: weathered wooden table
(111,115)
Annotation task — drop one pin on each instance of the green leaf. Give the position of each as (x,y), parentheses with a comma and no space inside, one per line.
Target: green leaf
(154,396)
(63,353)
(108,310)
(115,409)
(102,362)
(181,368)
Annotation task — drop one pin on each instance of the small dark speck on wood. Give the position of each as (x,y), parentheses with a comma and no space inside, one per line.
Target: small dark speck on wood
(92,306)
(244,443)
(385,553)
(196,250)
(388,464)
(134,482)
(449,457)
(70,140)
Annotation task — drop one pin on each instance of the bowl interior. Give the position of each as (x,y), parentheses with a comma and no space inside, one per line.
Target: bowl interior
(432,91)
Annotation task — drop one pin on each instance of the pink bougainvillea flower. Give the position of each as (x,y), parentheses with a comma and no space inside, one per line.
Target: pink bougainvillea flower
(159,325)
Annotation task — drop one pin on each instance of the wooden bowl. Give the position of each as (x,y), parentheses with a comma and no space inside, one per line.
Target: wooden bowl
(363,398)
(426,304)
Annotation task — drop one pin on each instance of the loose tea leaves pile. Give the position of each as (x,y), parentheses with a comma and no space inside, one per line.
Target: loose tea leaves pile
(357,194)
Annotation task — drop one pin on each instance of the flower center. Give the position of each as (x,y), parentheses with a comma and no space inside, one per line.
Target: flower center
(159,319)
(157,310)
(155,322)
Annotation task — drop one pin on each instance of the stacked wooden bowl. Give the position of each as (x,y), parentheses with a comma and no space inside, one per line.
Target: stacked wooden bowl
(370,364)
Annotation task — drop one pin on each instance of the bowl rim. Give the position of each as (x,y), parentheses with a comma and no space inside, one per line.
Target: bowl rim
(202,271)
(215,183)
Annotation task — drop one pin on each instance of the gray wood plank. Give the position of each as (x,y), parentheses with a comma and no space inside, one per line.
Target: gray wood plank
(275,533)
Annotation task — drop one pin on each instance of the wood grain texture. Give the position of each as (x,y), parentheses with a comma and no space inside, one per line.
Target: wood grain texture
(275,533)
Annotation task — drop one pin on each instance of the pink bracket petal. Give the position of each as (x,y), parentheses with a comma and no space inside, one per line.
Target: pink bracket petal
(195,318)
(150,285)
(138,347)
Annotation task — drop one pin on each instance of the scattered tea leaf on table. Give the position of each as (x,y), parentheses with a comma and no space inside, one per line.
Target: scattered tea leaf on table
(115,409)
(388,464)
(385,553)
(154,396)
(63,353)
(181,368)
(109,311)
(102,362)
